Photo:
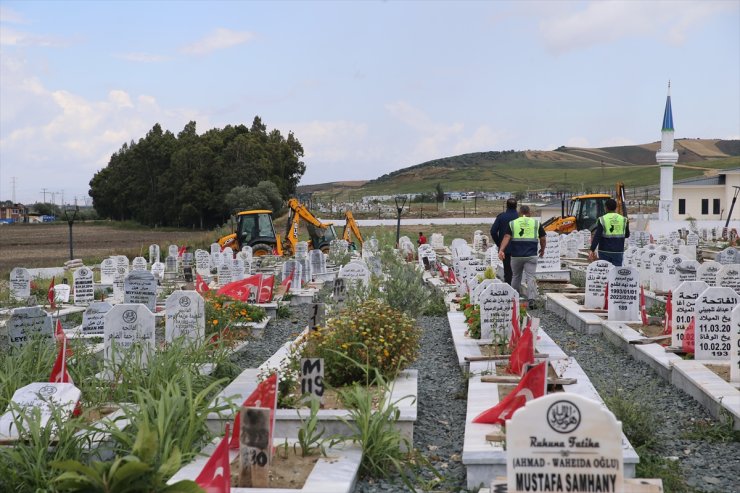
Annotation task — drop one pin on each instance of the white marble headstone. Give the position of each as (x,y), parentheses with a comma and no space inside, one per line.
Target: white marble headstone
(684,306)
(355,272)
(624,294)
(185,316)
(735,345)
(20,283)
(713,323)
(496,310)
(27,323)
(708,271)
(108,270)
(128,326)
(43,396)
(93,319)
(84,288)
(597,275)
(138,263)
(140,287)
(154,253)
(550,262)
(729,277)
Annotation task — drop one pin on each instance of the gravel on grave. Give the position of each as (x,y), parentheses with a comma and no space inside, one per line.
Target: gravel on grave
(706,465)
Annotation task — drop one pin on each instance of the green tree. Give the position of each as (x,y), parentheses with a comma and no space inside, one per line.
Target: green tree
(439,193)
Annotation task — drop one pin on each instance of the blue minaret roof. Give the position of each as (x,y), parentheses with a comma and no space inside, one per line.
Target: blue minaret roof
(668,114)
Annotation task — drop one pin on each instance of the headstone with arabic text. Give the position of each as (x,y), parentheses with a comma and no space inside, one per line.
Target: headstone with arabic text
(108,268)
(184,316)
(28,323)
(496,310)
(128,333)
(138,263)
(624,294)
(684,308)
(597,275)
(154,253)
(713,323)
(708,271)
(550,261)
(84,288)
(140,287)
(93,318)
(42,397)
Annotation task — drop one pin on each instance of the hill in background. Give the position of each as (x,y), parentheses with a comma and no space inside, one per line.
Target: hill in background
(564,169)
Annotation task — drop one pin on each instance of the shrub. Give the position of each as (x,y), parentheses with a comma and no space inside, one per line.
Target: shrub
(223,312)
(374,334)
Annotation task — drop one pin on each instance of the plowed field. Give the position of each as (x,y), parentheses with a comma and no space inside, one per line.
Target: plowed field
(47,245)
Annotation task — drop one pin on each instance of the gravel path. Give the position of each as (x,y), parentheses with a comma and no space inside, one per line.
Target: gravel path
(440,427)
(706,465)
(278,332)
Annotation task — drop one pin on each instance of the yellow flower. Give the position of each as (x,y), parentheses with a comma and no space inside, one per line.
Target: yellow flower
(215,322)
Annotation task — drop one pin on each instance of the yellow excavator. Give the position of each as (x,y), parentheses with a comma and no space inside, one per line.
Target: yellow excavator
(584,211)
(254,228)
(320,234)
(350,226)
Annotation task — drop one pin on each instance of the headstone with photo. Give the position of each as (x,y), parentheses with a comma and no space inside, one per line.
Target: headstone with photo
(154,254)
(624,294)
(495,310)
(708,271)
(687,270)
(564,442)
(729,277)
(427,257)
(597,275)
(184,316)
(550,261)
(28,323)
(138,263)
(45,398)
(93,318)
(713,323)
(128,327)
(108,269)
(140,287)
(84,288)
(20,283)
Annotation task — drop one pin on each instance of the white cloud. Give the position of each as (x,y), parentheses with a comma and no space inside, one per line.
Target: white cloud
(578,141)
(219,39)
(142,57)
(616,142)
(603,22)
(10,16)
(12,37)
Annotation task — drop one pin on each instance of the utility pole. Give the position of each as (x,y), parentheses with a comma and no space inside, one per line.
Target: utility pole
(44,192)
(12,180)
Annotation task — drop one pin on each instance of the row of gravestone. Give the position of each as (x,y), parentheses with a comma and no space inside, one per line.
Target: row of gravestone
(661,270)
(710,306)
(122,323)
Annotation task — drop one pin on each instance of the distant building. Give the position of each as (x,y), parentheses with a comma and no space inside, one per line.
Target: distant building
(16,213)
(706,198)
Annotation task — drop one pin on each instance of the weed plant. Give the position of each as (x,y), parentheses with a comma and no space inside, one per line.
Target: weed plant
(722,430)
(309,436)
(26,466)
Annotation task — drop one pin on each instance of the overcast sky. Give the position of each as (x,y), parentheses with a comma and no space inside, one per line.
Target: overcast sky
(367,87)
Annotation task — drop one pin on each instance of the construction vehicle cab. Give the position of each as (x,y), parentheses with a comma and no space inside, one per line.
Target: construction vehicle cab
(321,237)
(584,211)
(254,228)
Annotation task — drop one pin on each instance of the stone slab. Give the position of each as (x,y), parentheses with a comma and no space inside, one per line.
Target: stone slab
(563,306)
(707,388)
(654,355)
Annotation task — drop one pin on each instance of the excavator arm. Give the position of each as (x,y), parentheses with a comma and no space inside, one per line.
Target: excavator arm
(298,212)
(351,226)
(620,198)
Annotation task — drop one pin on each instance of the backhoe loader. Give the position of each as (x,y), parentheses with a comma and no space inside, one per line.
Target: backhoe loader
(254,228)
(320,234)
(584,211)
(350,226)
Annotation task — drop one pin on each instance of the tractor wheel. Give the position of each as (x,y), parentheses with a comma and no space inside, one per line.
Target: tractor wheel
(261,249)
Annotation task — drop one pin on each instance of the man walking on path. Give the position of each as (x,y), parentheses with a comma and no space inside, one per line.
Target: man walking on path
(497,234)
(524,233)
(611,230)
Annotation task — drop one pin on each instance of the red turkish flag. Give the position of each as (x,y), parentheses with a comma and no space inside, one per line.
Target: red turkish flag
(668,323)
(50,295)
(59,373)
(239,290)
(181,251)
(643,311)
(606,296)
(523,353)
(515,333)
(61,337)
(531,386)
(265,290)
(689,336)
(200,285)
(216,474)
(451,279)
(265,395)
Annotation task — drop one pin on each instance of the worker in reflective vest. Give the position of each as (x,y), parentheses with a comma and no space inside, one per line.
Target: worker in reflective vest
(521,236)
(611,230)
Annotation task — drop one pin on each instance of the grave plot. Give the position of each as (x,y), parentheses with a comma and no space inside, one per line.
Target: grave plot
(337,370)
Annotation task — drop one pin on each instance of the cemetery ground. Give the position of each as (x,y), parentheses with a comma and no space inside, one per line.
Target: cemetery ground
(675,437)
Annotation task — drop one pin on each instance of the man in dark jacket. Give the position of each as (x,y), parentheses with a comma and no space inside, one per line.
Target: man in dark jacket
(497,234)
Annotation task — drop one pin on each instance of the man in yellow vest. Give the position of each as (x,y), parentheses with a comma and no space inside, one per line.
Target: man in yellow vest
(611,230)
(523,233)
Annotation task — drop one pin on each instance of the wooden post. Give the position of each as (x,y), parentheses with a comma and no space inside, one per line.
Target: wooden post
(254,447)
